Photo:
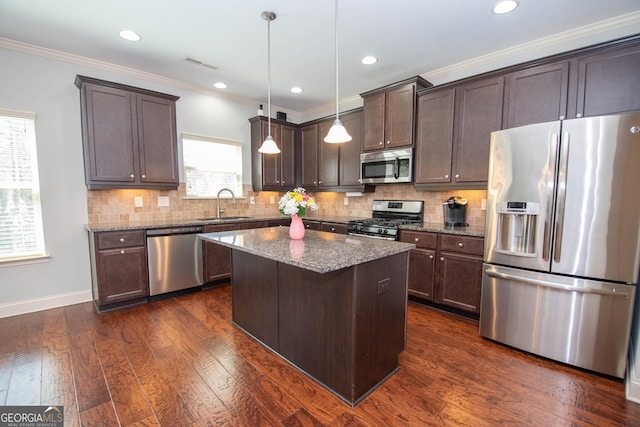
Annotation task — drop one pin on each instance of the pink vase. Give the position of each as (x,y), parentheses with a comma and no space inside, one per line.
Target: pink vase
(296,229)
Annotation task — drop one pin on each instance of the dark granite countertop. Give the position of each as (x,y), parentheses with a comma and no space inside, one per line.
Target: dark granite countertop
(319,251)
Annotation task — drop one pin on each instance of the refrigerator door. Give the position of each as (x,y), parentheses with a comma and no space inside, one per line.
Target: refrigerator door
(597,230)
(581,322)
(520,196)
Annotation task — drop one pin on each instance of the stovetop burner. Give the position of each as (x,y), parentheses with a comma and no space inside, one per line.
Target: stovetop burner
(386,216)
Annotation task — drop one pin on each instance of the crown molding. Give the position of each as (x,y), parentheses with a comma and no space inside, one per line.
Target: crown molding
(620,26)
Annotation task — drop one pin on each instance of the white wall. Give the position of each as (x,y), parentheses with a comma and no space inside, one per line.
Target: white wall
(46,86)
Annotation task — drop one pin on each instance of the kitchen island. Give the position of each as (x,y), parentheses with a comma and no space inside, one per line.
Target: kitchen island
(332,305)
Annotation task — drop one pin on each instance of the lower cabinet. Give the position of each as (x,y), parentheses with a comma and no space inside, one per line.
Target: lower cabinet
(119,266)
(216,258)
(446,269)
(333,227)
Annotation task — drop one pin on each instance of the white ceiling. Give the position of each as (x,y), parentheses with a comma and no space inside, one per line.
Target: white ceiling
(439,40)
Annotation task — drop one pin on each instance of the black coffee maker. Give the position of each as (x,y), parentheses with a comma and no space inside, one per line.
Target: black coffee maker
(455,211)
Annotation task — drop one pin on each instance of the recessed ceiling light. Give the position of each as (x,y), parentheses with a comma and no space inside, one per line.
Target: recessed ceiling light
(220,85)
(296,89)
(504,6)
(368,60)
(130,35)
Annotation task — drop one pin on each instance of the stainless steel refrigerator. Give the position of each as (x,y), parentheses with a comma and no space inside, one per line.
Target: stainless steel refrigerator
(562,244)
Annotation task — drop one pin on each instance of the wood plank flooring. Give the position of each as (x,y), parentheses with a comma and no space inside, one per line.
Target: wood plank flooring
(180,362)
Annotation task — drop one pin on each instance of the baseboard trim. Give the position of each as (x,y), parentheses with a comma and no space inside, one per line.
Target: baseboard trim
(38,304)
(633,377)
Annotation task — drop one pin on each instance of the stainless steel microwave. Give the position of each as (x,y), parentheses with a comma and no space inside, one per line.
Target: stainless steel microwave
(386,167)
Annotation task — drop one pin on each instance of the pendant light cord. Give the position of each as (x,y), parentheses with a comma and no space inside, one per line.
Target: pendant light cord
(337,63)
(269,74)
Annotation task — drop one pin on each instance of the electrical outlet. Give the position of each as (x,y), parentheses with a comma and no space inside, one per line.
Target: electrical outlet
(137,202)
(483,205)
(272,200)
(163,200)
(346,201)
(252,200)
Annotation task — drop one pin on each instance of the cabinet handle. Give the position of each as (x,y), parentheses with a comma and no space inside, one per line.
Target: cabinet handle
(579,115)
(561,118)
(381,143)
(333,229)
(441,258)
(417,239)
(122,251)
(319,182)
(144,176)
(388,142)
(460,245)
(446,177)
(457,175)
(122,240)
(132,176)
(430,256)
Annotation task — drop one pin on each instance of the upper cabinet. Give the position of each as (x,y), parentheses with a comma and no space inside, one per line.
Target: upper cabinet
(273,171)
(129,136)
(454,126)
(389,115)
(331,167)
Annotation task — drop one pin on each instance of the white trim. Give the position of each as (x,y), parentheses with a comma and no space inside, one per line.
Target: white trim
(38,304)
(35,259)
(633,376)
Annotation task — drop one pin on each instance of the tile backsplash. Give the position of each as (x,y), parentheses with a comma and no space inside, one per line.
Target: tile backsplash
(119,207)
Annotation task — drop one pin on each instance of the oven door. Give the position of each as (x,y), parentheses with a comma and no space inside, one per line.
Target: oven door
(386,167)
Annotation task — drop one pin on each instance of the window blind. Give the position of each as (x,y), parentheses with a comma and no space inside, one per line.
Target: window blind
(21,232)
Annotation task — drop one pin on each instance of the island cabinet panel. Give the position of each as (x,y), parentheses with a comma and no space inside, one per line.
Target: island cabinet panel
(216,258)
(344,328)
(129,136)
(255,296)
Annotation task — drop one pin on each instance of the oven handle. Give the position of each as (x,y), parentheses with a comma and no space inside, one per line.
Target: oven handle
(396,168)
(370,236)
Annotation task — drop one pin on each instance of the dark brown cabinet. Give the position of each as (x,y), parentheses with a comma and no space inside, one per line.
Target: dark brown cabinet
(273,171)
(216,258)
(453,133)
(129,136)
(389,115)
(608,82)
(310,224)
(333,227)
(446,269)
(119,266)
(537,95)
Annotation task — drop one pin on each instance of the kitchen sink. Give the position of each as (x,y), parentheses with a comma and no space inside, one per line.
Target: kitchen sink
(213,218)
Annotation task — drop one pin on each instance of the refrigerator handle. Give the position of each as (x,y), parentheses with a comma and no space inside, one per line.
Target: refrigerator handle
(546,242)
(547,284)
(562,193)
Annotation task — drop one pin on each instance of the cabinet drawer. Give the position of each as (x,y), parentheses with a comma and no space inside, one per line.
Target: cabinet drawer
(333,227)
(219,227)
(462,244)
(419,238)
(120,239)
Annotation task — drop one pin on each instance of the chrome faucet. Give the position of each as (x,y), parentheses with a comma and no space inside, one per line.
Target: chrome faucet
(218,211)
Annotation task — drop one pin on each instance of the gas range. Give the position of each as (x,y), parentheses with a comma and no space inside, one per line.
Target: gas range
(387,215)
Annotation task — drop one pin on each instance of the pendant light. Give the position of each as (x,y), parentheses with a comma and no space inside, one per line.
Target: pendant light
(269,146)
(337,133)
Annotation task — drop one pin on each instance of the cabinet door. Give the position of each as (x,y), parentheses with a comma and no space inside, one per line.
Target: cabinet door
(399,117)
(108,142)
(157,145)
(122,274)
(538,94)
(349,173)
(422,273)
(374,111)
(271,162)
(328,156)
(216,258)
(478,113)
(434,138)
(311,225)
(309,140)
(459,281)
(609,83)
(333,227)
(287,156)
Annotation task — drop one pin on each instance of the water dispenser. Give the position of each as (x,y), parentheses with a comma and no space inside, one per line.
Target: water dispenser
(517,223)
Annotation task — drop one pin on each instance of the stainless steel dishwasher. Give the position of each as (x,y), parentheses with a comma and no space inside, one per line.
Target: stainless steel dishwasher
(174,259)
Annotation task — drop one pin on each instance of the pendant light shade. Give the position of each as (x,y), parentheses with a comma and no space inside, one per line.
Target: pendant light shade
(269,146)
(337,134)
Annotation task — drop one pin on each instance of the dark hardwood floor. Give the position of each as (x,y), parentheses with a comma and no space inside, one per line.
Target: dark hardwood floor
(180,362)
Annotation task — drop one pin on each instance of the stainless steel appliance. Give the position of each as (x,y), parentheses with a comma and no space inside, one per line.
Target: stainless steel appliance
(174,259)
(562,249)
(387,215)
(386,167)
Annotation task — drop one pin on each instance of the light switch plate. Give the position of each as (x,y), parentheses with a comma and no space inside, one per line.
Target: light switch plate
(483,205)
(272,200)
(252,200)
(163,201)
(137,202)
(346,201)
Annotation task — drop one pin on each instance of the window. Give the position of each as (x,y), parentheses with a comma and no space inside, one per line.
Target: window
(21,233)
(210,165)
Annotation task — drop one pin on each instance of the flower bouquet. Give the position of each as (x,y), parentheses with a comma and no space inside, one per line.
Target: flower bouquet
(296,202)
